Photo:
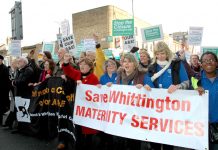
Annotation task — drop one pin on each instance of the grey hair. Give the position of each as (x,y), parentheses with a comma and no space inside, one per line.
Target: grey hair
(24,59)
(63,49)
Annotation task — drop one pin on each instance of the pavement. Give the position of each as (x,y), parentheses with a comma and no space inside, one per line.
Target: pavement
(9,141)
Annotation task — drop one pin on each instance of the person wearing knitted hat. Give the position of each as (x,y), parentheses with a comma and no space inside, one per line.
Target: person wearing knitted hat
(4,88)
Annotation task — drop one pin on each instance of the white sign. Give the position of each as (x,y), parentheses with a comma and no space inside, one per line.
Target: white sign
(195,36)
(69,43)
(22,106)
(15,48)
(128,42)
(65,28)
(179,119)
(89,44)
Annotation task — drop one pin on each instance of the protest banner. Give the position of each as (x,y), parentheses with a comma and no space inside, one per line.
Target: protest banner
(153,33)
(179,119)
(123,27)
(195,36)
(51,106)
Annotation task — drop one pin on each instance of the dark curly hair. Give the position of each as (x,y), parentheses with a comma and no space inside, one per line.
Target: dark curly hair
(207,53)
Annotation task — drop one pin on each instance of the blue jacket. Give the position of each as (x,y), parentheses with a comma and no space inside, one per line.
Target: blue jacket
(165,80)
(213,96)
(105,78)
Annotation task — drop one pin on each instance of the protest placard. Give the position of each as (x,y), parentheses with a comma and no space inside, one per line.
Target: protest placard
(180,118)
(195,36)
(153,33)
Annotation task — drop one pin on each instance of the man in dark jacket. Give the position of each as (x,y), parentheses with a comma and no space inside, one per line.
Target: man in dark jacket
(23,78)
(4,88)
(21,82)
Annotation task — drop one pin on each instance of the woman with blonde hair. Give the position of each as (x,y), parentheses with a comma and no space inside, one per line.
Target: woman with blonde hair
(167,73)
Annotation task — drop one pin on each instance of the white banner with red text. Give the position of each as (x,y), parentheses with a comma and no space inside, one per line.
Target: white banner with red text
(179,119)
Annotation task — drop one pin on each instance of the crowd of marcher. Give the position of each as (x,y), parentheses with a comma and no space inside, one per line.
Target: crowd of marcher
(165,70)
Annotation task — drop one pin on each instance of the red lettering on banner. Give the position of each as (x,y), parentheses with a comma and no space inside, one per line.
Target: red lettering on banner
(168,125)
(186,106)
(135,121)
(114,116)
(88,96)
(88,113)
(105,97)
(102,115)
(160,105)
(199,129)
(175,105)
(171,126)
(80,111)
(188,127)
(94,112)
(144,121)
(153,123)
(150,103)
(133,99)
(179,126)
(96,97)
(164,124)
(114,96)
(108,116)
(122,117)
(167,101)
(139,100)
(99,116)
(122,98)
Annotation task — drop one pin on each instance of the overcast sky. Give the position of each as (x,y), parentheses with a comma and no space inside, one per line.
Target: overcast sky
(41,18)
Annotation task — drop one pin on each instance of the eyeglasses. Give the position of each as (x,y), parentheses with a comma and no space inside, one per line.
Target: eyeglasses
(207,61)
(110,65)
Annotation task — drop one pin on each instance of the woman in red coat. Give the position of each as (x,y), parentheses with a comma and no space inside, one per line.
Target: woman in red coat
(48,70)
(89,137)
